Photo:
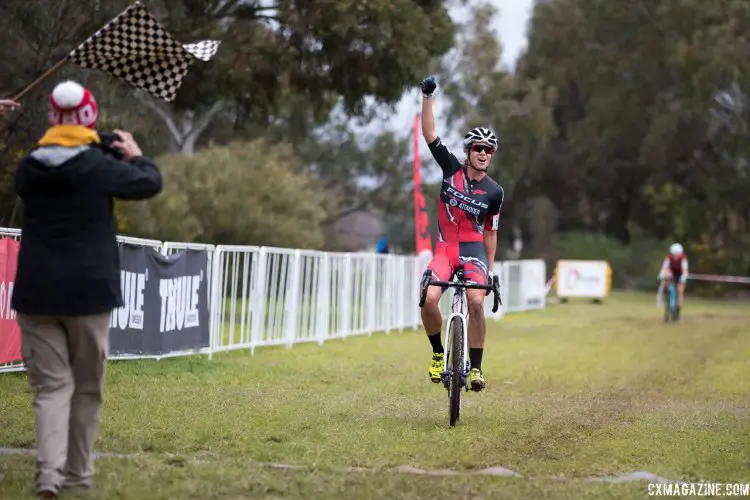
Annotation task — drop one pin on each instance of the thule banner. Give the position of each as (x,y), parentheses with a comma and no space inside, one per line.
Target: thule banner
(165,302)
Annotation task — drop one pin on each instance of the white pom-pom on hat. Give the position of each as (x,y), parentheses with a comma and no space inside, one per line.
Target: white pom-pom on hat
(68,95)
(72,104)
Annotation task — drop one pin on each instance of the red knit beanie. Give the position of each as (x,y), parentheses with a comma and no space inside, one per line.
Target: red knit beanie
(72,104)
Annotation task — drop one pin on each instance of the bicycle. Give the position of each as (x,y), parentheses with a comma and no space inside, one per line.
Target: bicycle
(455,347)
(671,311)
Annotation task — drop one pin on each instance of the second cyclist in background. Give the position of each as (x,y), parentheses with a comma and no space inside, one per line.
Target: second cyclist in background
(676,265)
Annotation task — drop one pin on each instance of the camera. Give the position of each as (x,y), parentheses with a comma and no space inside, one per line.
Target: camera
(105,144)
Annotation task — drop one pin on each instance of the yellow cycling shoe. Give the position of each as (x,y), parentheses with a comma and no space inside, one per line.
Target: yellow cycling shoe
(476,380)
(437,367)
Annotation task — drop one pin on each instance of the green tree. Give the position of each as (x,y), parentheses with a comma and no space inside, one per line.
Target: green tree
(248,193)
(649,114)
(278,55)
(362,173)
(284,69)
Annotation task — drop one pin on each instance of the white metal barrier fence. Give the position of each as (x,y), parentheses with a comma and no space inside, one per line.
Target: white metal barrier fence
(261,296)
(275,296)
(271,296)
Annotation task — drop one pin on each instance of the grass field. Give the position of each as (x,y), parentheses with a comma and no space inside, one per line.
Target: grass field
(574,392)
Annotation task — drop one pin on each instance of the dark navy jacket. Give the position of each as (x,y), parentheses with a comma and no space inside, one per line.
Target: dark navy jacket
(68,263)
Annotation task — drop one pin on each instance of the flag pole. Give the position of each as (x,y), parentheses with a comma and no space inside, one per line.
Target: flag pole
(38,80)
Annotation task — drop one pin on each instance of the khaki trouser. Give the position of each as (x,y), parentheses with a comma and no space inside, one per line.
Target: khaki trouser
(65,359)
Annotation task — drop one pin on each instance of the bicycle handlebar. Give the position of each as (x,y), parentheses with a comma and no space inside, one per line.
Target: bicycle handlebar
(458,284)
(495,287)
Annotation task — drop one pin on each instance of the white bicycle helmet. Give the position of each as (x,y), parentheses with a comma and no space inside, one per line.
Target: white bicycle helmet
(480,135)
(675,249)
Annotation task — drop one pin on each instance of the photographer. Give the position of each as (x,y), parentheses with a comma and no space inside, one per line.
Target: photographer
(68,277)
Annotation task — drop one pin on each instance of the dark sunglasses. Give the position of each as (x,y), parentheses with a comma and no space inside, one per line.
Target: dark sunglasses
(481,147)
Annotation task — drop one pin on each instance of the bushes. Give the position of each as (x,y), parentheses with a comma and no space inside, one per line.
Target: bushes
(248,193)
(633,267)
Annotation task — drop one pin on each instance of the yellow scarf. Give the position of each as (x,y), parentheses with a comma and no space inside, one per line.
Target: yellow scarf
(69,136)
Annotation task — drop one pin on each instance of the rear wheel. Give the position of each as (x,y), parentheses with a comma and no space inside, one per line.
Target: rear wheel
(455,362)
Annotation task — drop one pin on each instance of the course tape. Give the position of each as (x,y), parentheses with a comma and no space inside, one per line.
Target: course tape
(719,278)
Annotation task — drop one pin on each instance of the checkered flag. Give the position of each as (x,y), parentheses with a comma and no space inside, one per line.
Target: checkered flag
(133,46)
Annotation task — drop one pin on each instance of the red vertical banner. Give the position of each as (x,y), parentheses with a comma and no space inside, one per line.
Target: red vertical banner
(10,333)
(421,219)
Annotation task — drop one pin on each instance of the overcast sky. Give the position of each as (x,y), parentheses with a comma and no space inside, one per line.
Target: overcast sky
(514,14)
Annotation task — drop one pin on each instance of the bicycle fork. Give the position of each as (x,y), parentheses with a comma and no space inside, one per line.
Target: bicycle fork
(448,345)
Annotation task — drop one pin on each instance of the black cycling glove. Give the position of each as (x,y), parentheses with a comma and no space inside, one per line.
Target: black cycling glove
(428,86)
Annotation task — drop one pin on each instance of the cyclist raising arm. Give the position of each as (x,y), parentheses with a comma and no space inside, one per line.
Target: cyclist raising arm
(468,215)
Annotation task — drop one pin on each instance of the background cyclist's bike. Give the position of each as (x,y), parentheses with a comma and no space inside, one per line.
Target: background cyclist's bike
(455,346)
(671,311)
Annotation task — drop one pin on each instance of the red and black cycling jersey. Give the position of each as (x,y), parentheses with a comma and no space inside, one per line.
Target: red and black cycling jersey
(678,265)
(466,207)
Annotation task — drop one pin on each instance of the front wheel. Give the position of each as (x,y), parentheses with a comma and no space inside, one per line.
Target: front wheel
(455,362)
